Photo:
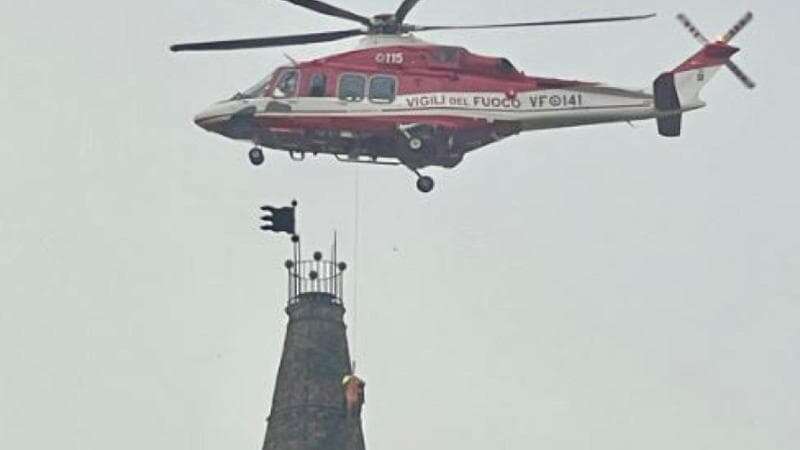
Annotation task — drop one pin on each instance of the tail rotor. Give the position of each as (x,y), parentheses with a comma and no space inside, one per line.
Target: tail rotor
(735,30)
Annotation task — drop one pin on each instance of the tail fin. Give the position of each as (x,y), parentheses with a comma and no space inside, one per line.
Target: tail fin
(695,73)
(678,90)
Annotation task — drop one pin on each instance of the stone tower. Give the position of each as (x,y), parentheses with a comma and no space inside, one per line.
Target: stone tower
(317,400)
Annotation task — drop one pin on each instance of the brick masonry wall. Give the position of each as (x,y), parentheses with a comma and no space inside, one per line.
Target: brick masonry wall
(308,406)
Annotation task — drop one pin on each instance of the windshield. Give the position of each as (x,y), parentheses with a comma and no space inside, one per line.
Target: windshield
(256,90)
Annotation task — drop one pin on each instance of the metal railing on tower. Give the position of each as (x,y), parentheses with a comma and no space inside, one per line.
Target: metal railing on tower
(316,275)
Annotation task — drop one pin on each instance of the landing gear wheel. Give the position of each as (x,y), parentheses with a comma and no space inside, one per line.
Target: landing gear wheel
(425,184)
(415,144)
(256,156)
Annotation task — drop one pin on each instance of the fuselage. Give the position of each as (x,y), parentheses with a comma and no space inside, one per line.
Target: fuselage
(372,100)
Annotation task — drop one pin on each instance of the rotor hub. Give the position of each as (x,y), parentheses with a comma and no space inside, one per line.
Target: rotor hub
(385,24)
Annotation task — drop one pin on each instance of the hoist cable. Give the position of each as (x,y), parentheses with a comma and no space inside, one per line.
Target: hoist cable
(356,203)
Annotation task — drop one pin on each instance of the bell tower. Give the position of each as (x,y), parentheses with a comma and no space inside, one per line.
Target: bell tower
(317,400)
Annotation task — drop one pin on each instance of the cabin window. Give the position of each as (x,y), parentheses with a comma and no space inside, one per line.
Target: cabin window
(445,55)
(382,89)
(317,85)
(505,66)
(351,87)
(287,84)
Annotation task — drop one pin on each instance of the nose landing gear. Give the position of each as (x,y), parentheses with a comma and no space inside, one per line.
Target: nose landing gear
(425,184)
(256,156)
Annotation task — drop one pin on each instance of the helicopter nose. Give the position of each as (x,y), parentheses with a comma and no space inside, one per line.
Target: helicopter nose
(200,119)
(233,120)
(206,118)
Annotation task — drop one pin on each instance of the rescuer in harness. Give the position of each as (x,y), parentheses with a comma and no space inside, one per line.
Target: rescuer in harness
(353,394)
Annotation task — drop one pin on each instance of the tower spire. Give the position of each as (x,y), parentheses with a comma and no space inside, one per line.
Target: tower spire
(317,399)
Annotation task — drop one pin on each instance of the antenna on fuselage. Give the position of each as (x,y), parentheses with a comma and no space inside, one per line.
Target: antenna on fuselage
(291,60)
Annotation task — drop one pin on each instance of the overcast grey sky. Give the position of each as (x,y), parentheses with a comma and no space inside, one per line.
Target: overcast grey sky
(594,288)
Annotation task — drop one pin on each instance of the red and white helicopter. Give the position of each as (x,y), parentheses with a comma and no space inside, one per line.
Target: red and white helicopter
(399,100)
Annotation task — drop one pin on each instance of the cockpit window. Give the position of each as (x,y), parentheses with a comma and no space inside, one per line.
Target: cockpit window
(286,85)
(257,90)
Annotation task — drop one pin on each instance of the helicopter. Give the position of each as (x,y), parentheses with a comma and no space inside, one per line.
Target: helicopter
(398,100)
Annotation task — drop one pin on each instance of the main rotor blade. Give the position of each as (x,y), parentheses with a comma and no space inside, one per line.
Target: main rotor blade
(403,10)
(330,10)
(276,41)
(533,24)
